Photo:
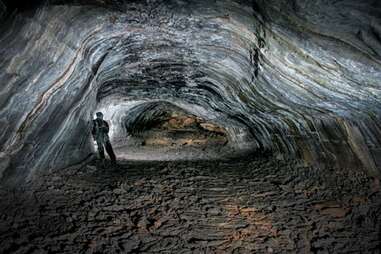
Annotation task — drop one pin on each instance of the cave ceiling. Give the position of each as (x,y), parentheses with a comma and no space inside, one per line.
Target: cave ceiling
(295,78)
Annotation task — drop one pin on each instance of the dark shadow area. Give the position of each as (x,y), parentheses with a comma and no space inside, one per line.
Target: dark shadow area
(260,206)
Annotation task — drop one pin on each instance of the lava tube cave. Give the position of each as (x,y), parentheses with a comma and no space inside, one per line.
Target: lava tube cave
(239,126)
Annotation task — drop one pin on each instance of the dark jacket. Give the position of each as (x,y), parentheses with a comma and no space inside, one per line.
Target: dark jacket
(100,129)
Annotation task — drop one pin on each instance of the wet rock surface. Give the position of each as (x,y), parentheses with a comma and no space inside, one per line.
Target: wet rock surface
(198,207)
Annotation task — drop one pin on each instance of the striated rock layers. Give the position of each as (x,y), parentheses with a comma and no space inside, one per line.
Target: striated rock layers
(294,78)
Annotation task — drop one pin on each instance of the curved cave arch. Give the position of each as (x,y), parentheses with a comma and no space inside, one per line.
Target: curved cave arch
(287,88)
(173,128)
(287,91)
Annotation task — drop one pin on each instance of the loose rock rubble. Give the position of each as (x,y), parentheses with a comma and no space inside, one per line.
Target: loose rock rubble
(193,207)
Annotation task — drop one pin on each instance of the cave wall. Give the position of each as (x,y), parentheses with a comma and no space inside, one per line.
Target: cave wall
(295,78)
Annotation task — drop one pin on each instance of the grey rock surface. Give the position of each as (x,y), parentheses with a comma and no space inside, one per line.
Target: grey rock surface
(297,78)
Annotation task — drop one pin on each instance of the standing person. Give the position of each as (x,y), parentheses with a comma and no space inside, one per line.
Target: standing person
(100,134)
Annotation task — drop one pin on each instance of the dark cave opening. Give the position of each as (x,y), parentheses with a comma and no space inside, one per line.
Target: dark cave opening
(163,131)
(164,124)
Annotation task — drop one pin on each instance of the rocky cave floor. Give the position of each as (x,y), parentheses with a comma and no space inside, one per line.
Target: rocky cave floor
(262,206)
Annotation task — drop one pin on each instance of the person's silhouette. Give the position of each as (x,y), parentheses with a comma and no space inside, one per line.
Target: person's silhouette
(100,134)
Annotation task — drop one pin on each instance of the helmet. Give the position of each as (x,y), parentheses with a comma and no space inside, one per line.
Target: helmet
(99,114)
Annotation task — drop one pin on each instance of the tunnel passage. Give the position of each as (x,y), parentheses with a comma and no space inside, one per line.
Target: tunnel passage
(163,130)
(165,124)
(298,80)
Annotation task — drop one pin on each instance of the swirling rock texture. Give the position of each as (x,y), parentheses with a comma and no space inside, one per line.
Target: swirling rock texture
(294,80)
(297,79)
